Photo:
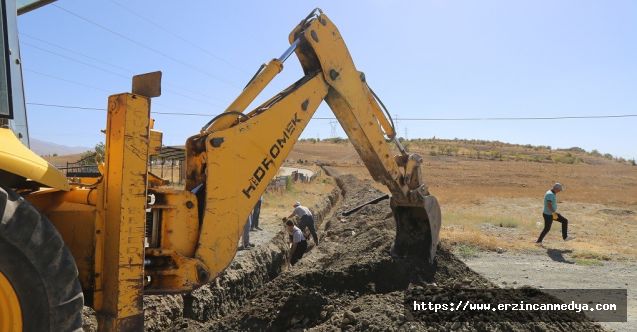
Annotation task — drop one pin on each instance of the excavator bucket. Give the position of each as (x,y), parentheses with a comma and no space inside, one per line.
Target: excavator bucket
(417,230)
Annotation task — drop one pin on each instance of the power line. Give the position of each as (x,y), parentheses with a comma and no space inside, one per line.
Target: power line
(160,27)
(523,118)
(65,80)
(113,73)
(75,60)
(104,109)
(401,119)
(68,106)
(92,87)
(512,118)
(128,71)
(318,118)
(124,69)
(152,49)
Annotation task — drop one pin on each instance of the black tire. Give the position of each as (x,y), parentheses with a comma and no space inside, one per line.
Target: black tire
(39,266)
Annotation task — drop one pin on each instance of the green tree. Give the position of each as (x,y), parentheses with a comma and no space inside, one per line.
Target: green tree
(100,152)
(97,153)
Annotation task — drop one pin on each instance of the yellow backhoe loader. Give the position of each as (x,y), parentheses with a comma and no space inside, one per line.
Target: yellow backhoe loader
(65,243)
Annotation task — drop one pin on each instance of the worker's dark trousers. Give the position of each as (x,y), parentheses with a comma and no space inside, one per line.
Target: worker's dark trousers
(308,221)
(548,221)
(301,247)
(255,214)
(246,233)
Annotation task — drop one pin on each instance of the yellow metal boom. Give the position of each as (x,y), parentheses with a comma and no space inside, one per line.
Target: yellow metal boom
(232,160)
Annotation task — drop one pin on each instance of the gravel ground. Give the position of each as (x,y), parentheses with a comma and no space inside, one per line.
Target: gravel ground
(556,270)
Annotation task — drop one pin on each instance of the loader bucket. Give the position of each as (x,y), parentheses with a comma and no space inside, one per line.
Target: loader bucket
(417,230)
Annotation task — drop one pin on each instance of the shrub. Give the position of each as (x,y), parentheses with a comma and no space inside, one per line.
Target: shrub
(288,183)
(564,159)
(466,250)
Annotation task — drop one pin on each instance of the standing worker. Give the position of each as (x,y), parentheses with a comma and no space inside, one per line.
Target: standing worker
(245,238)
(299,244)
(307,220)
(255,215)
(550,214)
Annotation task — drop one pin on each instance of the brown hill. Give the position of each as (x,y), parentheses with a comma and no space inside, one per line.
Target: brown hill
(48,148)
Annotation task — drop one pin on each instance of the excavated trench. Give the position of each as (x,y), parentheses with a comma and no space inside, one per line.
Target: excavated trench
(349,282)
(247,274)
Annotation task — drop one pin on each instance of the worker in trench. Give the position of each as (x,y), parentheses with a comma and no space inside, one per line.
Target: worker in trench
(299,244)
(306,220)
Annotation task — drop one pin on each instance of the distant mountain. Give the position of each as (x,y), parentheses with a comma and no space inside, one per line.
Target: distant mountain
(47,148)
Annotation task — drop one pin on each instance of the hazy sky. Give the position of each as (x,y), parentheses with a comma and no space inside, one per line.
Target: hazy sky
(425,59)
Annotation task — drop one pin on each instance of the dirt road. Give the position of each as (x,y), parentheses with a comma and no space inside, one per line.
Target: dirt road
(557,270)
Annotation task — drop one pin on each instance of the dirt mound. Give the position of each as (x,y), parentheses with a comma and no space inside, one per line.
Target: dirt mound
(248,272)
(350,282)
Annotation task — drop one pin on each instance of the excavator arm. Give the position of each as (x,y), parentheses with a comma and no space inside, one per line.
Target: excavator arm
(234,157)
(131,236)
(358,110)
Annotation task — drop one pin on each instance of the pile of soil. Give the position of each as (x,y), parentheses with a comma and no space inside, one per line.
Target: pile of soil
(249,272)
(350,282)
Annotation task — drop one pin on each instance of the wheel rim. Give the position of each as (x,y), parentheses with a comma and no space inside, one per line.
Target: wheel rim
(10,312)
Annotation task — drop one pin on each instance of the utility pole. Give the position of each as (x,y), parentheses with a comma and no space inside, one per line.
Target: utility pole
(333,125)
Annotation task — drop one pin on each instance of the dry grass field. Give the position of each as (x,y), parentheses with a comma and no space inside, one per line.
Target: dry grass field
(496,202)
(491,193)
(491,199)
(62,160)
